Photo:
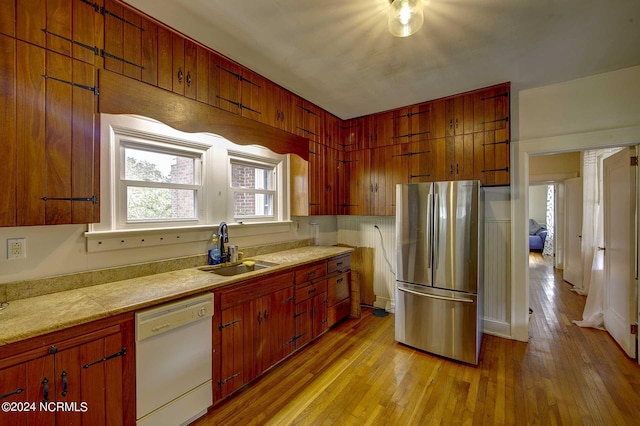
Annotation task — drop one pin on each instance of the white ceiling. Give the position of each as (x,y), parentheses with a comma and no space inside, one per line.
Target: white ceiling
(339,55)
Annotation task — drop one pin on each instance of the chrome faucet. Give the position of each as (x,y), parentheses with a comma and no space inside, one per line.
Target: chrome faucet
(223,236)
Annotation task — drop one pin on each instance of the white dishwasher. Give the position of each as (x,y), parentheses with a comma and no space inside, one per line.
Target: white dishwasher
(173,362)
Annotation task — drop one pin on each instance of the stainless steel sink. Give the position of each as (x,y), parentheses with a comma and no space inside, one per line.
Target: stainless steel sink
(241,268)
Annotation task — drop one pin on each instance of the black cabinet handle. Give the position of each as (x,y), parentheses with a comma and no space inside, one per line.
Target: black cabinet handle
(188,78)
(312,273)
(45,390)
(259,317)
(339,281)
(64,383)
(266,314)
(180,75)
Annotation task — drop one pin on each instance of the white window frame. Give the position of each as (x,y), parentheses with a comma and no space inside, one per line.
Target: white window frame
(277,192)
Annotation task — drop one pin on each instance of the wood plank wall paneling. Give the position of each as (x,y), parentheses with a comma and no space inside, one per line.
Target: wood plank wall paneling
(497,272)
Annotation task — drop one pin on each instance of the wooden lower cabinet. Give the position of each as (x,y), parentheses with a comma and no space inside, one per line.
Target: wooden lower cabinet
(89,368)
(262,321)
(256,329)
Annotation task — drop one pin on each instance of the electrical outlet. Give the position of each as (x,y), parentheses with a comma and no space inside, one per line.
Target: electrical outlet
(16,248)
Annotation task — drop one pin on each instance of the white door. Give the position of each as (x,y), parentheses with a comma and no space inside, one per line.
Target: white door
(619,242)
(572,271)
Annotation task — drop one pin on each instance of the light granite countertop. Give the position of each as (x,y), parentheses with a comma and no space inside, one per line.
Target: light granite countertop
(35,316)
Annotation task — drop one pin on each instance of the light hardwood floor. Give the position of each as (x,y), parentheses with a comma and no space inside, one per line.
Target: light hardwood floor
(358,375)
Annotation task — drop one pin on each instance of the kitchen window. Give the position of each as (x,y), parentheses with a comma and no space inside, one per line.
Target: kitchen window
(159,184)
(253,189)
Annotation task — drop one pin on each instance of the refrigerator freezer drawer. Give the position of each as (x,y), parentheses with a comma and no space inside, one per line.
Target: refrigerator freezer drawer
(441,322)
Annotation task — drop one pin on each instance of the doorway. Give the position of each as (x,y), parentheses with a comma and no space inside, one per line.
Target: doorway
(541,268)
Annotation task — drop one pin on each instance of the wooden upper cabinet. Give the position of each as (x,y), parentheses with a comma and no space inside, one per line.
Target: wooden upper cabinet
(381,129)
(308,119)
(316,175)
(123,40)
(353,134)
(240,90)
(179,74)
(69,27)
(331,130)
(411,124)
(55,147)
(253,94)
(277,107)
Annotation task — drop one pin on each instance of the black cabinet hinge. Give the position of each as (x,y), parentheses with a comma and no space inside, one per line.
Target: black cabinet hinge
(93,199)
(221,326)
(122,352)
(15,392)
(228,379)
(94,89)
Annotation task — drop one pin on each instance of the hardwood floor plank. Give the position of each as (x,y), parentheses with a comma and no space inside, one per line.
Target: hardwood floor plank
(358,375)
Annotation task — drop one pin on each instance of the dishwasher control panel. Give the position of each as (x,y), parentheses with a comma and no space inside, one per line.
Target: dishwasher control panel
(164,318)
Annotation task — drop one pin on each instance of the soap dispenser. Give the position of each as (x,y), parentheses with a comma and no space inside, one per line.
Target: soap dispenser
(213,254)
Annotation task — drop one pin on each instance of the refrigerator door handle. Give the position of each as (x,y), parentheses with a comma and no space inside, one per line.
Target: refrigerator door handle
(433,296)
(436,231)
(430,230)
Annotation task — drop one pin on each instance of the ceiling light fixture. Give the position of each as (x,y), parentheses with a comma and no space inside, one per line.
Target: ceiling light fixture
(405,17)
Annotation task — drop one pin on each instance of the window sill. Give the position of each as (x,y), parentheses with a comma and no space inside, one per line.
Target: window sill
(100,241)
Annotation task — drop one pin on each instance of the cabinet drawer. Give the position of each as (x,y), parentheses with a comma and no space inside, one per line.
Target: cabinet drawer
(311,272)
(338,312)
(338,288)
(339,265)
(304,293)
(254,289)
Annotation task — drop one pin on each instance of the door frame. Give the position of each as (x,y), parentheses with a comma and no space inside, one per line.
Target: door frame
(520,152)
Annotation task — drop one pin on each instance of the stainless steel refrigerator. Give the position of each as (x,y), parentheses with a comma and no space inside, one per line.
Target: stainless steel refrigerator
(439,245)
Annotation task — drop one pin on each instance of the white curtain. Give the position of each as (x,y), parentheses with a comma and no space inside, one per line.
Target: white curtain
(592,238)
(548,242)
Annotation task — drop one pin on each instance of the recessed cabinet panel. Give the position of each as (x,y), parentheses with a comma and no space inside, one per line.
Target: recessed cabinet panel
(31,18)
(165,59)
(179,73)
(149,54)
(8,17)
(59,16)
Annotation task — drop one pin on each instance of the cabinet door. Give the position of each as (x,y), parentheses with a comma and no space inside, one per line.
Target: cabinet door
(123,33)
(281,325)
(33,382)
(329,206)
(438,124)
(303,323)
(353,134)
(320,310)
(316,192)
(257,349)
(253,95)
(229,87)
(331,130)
(165,58)
(422,161)
(378,177)
(8,100)
(149,52)
(359,181)
(232,350)
(384,129)
(396,171)
(179,73)
(463,157)
(31,18)
(308,119)
(69,141)
(191,69)
(92,373)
